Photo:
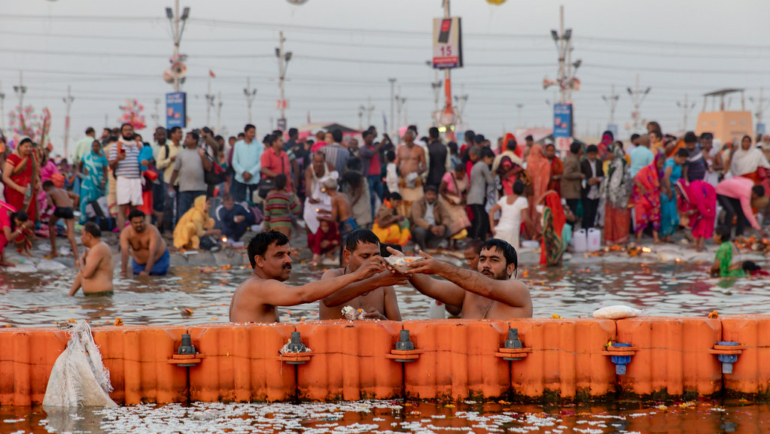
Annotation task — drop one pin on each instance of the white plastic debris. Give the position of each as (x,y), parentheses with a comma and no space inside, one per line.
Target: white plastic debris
(78,377)
(352,314)
(618,312)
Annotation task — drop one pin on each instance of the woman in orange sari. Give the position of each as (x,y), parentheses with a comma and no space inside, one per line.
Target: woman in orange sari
(20,176)
(539,171)
(552,246)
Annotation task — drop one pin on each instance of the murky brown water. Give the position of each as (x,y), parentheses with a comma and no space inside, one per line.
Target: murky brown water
(397,417)
(570,291)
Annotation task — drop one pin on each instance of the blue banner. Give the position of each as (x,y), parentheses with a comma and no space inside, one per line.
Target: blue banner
(176,110)
(562,120)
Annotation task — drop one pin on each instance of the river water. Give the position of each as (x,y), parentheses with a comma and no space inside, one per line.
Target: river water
(40,299)
(397,417)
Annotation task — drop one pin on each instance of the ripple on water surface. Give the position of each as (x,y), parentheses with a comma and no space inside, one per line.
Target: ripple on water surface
(394,417)
(40,299)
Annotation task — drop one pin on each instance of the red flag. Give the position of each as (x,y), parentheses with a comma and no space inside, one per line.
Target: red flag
(211,74)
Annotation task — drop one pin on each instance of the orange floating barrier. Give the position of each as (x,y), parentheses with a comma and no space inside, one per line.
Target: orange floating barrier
(566,359)
(672,356)
(241,363)
(751,372)
(349,361)
(26,359)
(137,358)
(457,361)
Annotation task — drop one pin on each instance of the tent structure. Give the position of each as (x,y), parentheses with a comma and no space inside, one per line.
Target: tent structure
(309,129)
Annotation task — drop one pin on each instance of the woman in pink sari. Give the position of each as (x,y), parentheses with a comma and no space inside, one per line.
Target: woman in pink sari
(539,171)
(697,204)
(646,198)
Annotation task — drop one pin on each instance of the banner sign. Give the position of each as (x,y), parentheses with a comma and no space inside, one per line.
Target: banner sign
(447,43)
(562,120)
(176,110)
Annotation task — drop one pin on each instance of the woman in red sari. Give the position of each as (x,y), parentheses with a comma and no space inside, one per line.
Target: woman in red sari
(539,171)
(20,176)
(646,198)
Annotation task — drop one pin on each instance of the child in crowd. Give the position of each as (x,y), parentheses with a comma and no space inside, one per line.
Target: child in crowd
(391,172)
(60,199)
(325,243)
(279,207)
(24,226)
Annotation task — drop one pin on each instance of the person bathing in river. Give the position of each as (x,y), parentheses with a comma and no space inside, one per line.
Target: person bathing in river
(375,296)
(256,299)
(96,265)
(489,293)
(148,249)
(62,203)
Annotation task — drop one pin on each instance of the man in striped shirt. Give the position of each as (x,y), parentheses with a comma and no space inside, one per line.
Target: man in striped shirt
(124,163)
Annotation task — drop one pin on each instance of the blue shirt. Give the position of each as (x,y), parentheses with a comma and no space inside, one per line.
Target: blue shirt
(246,158)
(145,154)
(641,157)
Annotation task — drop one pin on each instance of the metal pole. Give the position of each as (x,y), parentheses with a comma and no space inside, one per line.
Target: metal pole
(369,110)
(759,109)
(561,52)
(636,104)
(176,41)
(2,107)
(157,112)
(612,105)
(68,101)
(398,108)
(686,109)
(209,103)
(447,71)
(280,71)
(20,89)
(219,111)
(392,98)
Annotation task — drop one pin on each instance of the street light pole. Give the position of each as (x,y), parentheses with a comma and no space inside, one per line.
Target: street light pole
(283,63)
(392,98)
(250,95)
(175,19)
(68,102)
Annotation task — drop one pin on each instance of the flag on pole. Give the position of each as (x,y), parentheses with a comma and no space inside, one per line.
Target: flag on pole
(211,74)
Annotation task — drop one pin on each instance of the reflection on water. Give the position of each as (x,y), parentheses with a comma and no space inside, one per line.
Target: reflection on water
(661,289)
(392,417)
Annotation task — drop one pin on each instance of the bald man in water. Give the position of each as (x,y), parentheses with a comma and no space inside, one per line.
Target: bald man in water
(256,299)
(489,293)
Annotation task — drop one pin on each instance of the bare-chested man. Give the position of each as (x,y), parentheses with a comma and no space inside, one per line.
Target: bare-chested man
(97,266)
(148,249)
(410,159)
(489,293)
(256,299)
(342,211)
(375,296)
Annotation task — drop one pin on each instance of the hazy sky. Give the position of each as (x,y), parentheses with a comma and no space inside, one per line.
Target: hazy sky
(345,50)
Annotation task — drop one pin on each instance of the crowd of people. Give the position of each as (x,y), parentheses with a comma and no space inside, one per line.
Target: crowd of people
(199,190)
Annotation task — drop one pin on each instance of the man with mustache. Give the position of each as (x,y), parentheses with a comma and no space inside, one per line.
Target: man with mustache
(256,299)
(488,293)
(124,163)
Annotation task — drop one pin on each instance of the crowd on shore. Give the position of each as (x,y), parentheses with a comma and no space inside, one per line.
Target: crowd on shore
(427,191)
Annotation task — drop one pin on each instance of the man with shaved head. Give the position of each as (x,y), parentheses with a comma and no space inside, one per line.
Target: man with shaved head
(410,159)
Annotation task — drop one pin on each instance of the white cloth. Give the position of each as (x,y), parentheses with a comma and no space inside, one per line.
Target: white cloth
(325,201)
(391,177)
(78,377)
(712,177)
(745,162)
(129,191)
(509,226)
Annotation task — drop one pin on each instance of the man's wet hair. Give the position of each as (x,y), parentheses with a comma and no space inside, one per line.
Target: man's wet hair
(364,236)
(135,213)
(260,242)
(93,229)
(475,244)
(506,249)
(758,190)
